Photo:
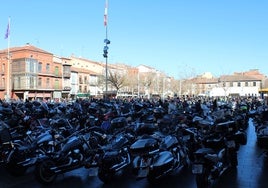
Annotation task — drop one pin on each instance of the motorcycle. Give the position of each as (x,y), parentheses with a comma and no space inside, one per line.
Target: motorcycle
(261,127)
(26,153)
(172,156)
(143,151)
(115,156)
(219,153)
(76,151)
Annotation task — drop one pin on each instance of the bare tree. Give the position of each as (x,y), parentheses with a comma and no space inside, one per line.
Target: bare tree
(116,80)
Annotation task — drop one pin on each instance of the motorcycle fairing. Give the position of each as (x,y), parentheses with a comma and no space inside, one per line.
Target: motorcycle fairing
(144,146)
(72,143)
(169,142)
(163,158)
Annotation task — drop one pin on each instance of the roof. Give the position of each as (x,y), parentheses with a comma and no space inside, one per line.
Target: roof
(238,77)
(85,60)
(80,70)
(25,47)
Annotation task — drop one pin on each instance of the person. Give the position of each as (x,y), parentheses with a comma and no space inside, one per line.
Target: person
(172,107)
(198,108)
(214,105)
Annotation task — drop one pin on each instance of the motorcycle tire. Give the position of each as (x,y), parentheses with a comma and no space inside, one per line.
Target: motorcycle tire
(202,181)
(13,167)
(152,179)
(105,175)
(233,160)
(43,173)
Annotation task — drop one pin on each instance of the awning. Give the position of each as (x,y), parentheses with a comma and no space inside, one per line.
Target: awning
(264,90)
(83,95)
(39,95)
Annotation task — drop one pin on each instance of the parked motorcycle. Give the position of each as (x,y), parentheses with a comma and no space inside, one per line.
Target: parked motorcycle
(115,156)
(219,153)
(261,127)
(172,156)
(143,151)
(77,150)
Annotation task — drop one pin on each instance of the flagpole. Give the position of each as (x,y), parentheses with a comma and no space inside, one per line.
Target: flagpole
(8,79)
(105,49)
(106,67)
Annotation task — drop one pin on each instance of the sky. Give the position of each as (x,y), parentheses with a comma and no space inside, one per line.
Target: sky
(181,38)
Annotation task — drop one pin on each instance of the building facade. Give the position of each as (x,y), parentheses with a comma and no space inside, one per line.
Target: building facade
(29,72)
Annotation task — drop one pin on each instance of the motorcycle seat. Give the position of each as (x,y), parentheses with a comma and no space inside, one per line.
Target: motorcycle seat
(204,151)
(216,156)
(111,153)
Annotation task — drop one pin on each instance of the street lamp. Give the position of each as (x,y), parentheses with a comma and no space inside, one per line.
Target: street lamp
(105,55)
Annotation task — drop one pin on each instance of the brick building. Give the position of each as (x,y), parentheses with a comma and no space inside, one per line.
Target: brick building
(28,72)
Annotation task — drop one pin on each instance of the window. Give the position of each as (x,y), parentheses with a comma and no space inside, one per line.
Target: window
(246,84)
(19,82)
(57,71)
(3,67)
(47,83)
(40,67)
(238,84)
(3,82)
(32,82)
(39,82)
(47,67)
(32,65)
(85,89)
(231,84)
(57,84)
(254,84)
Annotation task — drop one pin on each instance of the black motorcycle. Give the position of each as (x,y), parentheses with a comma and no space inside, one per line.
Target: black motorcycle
(219,153)
(260,121)
(115,156)
(76,151)
(172,156)
(143,151)
(26,153)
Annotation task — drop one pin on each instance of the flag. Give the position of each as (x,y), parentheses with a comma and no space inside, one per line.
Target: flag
(8,30)
(106,13)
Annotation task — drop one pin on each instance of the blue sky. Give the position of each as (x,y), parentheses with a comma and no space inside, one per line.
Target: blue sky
(179,37)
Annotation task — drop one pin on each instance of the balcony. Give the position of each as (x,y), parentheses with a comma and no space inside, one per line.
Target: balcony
(47,73)
(67,75)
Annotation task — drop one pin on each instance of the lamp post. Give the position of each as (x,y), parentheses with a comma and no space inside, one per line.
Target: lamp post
(105,55)
(105,49)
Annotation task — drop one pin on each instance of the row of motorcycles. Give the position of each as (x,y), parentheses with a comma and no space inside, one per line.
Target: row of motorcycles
(138,137)
(259,115)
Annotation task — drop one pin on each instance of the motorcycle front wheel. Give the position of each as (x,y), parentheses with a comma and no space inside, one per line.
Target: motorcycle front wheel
(202,181)
(105,174)
(13,167)
(233,159)
(43,173)
(152,178)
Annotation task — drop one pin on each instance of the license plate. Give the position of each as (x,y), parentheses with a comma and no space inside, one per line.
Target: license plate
(231,144)
(197,169)
(142,173)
